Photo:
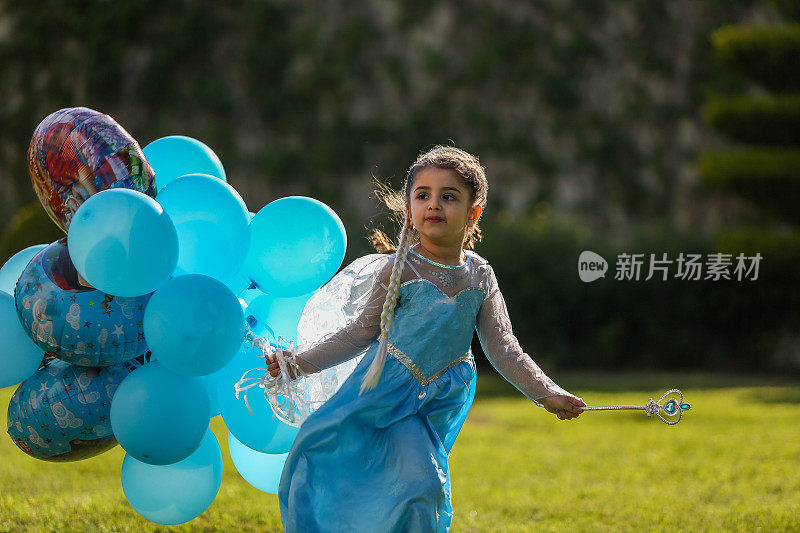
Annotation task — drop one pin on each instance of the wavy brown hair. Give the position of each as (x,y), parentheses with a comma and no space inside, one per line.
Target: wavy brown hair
(465,165)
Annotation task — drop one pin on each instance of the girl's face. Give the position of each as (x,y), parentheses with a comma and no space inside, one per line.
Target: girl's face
(441,206)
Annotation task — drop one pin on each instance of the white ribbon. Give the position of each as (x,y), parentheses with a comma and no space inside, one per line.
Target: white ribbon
(284,394)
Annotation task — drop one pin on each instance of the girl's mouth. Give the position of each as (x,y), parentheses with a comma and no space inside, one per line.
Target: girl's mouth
(434,219)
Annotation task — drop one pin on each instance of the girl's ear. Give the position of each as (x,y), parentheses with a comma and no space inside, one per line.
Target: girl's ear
(477,210)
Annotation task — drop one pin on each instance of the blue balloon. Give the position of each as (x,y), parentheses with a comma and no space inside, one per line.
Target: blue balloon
(177,155)
(13,268)
(210,383)
(80,325)
(19,356)
(176,493)
(123,243)
(212,224)
(296,245)
(261,470)
(272,317)
(248,295)
(194,325)
(158,416)
(259,430)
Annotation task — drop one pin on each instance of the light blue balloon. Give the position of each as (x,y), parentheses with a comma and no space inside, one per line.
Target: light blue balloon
(176,493)
(13,268)
(261,470)
(259,430)
(296,245)
(158,416)
(194,325)
(19,356)
(177,155)
(272,317)
(212,222)
(123,243)
(248,295)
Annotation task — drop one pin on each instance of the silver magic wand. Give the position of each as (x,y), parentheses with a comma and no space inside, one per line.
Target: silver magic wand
(668,408)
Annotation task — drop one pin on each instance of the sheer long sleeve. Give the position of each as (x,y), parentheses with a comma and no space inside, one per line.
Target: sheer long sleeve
(504,352)
(358,333)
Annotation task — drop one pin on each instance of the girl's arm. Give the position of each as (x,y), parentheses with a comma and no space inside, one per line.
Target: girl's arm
(504,352)
(351,340)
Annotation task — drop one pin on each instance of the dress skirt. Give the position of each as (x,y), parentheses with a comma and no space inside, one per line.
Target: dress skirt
(379,461)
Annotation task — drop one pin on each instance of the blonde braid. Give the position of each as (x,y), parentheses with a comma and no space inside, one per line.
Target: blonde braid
(376,368)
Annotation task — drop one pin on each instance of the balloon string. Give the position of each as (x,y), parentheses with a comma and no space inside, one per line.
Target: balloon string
(289,406)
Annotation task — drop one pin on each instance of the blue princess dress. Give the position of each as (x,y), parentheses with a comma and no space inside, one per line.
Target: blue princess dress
(379,461)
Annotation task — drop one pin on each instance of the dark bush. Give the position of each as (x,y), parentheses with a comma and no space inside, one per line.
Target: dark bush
(769,177)
(30,225)
(766,55)
(789,9)
(759,120)
(665,324)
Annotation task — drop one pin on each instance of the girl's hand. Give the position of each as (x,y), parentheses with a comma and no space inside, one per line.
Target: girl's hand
(564,407)
(275,369)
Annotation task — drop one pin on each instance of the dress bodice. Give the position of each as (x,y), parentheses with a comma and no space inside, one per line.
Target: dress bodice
(432,330)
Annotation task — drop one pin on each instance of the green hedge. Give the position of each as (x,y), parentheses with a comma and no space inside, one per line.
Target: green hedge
(562,321)
(763,119)
(769,177)
(766,54)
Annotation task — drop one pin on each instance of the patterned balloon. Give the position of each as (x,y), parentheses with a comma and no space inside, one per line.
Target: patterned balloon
(77,152)
(78,324)
(62,412)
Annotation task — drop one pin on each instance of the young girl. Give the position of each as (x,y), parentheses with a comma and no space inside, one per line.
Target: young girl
(374,457)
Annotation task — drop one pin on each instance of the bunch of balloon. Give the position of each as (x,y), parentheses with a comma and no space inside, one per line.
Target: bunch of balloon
(126,277)
(92,339)
(296,245)
(143,311)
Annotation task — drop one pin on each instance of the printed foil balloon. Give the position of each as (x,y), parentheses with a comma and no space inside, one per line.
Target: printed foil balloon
(78,324)
(62,412)
(77,152)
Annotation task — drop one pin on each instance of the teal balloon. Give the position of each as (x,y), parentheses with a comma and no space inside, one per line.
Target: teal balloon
(248,295)
(177,155)
(194,325)
(210,383)
(123,243)
(273,317)
(259,430)
(296,245)
(13,268)
(19,356)
(176,493)
(159,417)
(261,470)
(212,222)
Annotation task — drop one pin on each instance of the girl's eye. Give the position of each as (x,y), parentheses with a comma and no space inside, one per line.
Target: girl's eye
(448,196)
(422,195)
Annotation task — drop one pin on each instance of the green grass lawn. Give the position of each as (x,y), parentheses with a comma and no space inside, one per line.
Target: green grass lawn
(733,464)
